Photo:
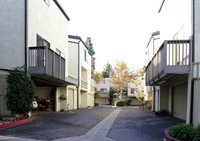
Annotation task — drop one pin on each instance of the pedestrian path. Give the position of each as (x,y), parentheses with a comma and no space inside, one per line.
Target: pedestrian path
(98,132)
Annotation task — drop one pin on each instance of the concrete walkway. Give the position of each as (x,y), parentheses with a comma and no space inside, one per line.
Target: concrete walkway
(98,132)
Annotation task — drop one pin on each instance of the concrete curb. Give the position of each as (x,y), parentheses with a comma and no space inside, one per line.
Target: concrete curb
(15,123)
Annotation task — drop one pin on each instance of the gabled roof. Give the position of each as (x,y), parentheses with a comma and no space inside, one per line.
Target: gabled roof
(62,10)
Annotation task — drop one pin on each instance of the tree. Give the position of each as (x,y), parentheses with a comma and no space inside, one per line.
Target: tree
(97,77)
(20,91)
(107,70)
(122,76)
(92,53)
(90,46)
(111,96)
(97,95)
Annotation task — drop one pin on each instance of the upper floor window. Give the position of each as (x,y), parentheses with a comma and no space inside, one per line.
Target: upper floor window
(47,2)
(60,53)
(42,42)
(85,55)
(132,90)
(103,90)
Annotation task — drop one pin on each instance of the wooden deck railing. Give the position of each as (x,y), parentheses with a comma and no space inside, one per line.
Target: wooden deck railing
(43,60)
(170,57)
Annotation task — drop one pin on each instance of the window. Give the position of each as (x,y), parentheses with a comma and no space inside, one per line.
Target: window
(103,90)
(47,2)
(132,90)
(85,55)
(60,53)
(42,42)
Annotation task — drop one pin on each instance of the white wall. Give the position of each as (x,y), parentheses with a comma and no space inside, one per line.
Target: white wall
(12,29)
(50,23)
(175,17)
(73,60)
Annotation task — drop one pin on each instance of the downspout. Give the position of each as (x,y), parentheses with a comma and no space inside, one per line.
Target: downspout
(193,57)
(26,33)
(78,87)
(153,99)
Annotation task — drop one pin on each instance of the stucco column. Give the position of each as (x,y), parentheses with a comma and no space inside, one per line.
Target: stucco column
(196,104)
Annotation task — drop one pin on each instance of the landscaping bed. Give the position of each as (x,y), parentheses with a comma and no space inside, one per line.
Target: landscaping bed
(6,122)
(182,132)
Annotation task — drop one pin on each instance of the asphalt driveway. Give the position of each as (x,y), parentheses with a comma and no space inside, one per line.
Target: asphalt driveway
(134,124)
(57,125)
(130,123)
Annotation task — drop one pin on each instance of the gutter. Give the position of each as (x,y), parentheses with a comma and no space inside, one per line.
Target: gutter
(78,87)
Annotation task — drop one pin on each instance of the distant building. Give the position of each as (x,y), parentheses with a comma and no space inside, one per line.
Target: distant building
(104,88)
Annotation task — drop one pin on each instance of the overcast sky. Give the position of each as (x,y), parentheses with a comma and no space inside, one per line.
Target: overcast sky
(120,29)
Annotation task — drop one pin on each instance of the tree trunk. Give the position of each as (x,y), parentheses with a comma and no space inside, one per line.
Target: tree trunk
(120,96)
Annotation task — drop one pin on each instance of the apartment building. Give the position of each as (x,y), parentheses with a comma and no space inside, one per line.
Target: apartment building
(81,58)
(35,33)
(105,86)
(169,59)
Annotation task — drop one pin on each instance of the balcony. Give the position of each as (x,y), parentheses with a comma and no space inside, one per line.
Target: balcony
(84,84)
(47,65)
(171,61)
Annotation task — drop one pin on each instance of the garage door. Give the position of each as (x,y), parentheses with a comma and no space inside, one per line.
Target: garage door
(71,99)
(90,100)
(180,101)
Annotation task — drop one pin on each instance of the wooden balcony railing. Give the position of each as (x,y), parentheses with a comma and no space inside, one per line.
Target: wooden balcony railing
(173,57)
(44,61)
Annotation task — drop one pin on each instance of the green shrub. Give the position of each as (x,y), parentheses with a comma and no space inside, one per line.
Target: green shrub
(96,104)
(121,103)
(20,91)
(129,101)
(162,113)
(62,97)
(184,132)
(62,110)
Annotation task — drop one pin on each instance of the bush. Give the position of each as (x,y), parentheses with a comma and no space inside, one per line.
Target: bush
(62,97)
(62,110)
(184,132)
(121,103)
(20,91)
(162,113)
(129,101)
(96,104)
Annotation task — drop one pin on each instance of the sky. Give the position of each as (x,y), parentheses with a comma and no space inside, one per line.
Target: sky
(119,29)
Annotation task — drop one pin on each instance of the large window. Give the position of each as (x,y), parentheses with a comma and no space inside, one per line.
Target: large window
(103,90)
(42,42)
(47,2)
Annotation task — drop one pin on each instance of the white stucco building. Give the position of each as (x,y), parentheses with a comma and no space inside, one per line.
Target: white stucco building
(35,33)
(171,53)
